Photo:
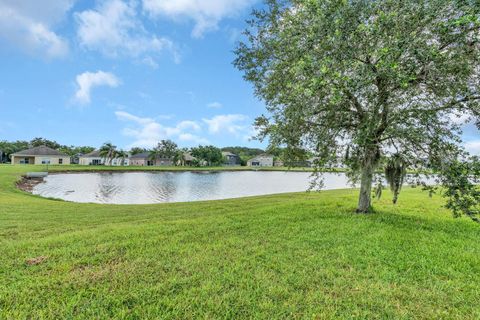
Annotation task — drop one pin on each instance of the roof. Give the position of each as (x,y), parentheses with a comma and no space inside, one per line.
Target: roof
(93,154)
(228,154)
(188,157)
(142,155)
(40,151)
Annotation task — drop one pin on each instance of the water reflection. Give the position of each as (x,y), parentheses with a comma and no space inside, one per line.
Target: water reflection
(160,187)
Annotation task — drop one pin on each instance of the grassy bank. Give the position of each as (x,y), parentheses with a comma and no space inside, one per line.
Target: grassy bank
(282,256)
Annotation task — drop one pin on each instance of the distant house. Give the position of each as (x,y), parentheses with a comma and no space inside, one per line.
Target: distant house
(188,159)
(144,159)
(278,163)
(263,160)
(75,159)
(231,159)
(121,161)
(91,159)
(95,159)
(40,155)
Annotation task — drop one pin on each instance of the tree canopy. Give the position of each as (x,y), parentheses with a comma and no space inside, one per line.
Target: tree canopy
(209,154)
(361,80)
(166,149)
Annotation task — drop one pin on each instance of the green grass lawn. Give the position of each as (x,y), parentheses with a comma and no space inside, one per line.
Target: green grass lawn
(302,256)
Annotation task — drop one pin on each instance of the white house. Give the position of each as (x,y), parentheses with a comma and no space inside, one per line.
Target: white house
(263,160)
(95,159)
(91,159)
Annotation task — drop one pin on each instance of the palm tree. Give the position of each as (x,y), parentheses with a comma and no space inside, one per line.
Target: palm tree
(108,152)
(155,153)
(122,155)
(179,158)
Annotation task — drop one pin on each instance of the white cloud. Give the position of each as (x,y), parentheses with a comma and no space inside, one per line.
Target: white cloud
(205,13)
(114,29)
(188,137)
(28,25)
(232,123)
(88,80)
(215,105)
(473,147)
(189,125)
(147,132)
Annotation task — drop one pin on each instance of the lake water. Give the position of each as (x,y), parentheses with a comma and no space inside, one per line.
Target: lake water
(161,187)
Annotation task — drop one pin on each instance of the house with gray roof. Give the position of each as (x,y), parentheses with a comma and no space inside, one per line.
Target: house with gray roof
(91,159)
(95,159)
(40,155)
(231,159)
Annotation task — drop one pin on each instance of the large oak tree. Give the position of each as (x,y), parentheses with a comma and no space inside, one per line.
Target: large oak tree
(360,80)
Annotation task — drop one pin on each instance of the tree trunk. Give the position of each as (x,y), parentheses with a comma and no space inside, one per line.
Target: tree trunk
(365,197)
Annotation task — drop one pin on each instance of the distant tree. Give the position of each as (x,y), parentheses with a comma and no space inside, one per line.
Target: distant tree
(122,155)
(7,148)
(74,151)
(37,142)
(165,149)
(291,157)
(137,150)
(82,150)
(244,153)
(364,79)
(108,151)
(179,158)
(209,154)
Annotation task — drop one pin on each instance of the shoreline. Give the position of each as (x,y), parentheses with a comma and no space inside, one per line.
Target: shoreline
(27,184)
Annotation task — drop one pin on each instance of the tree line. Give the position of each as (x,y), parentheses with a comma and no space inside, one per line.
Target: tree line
(167,149)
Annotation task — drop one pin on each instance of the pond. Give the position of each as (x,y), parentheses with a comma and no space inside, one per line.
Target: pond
(161,187)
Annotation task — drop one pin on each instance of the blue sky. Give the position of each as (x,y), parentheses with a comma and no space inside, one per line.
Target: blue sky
(129,72)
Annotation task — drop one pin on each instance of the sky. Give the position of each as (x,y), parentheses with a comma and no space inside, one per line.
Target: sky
(130,72)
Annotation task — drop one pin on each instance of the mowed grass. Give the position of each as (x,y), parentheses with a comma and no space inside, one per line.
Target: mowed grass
(296,256)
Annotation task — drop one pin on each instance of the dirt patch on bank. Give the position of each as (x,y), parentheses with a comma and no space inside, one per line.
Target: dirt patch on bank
(27,184)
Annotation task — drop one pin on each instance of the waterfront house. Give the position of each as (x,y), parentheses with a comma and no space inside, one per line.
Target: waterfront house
(119,161)
(231,159)
(144,159)
(91,159)
(263,160)
(278,163)
(188,159)
(40,155)
(95,159)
